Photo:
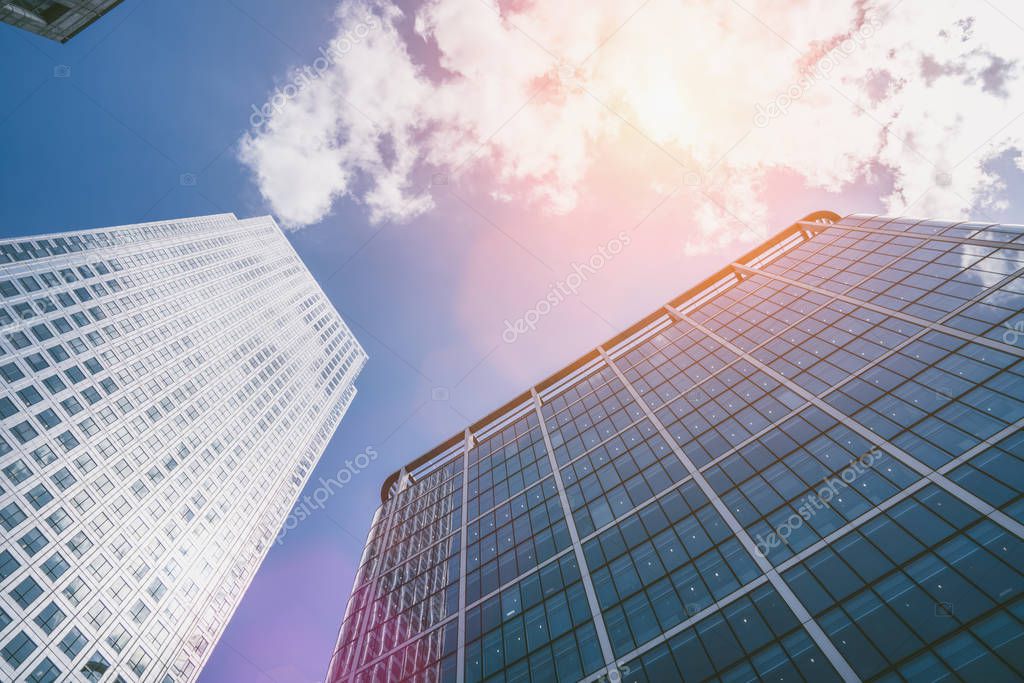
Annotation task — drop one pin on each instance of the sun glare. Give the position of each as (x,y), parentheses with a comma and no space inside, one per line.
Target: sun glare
(660,109)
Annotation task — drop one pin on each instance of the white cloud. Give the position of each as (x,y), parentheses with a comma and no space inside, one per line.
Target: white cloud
(533,95)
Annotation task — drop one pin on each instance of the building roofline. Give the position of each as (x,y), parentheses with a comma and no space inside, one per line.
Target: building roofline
(691,293)
(89,23)
(77,232)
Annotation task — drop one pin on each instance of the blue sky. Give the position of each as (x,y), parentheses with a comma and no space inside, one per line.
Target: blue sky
(113,128)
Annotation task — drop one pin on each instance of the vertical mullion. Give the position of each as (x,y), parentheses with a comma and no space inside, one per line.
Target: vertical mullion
(460,671)
(588,585)
(826,646)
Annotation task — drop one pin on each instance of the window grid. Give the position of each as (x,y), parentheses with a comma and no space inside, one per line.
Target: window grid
(140,349)
(764,390)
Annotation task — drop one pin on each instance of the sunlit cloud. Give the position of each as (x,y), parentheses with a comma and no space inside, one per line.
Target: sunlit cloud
(530,96)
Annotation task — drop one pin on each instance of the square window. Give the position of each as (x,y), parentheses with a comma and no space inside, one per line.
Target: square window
(30,395)
(48,418)
(17,472)
(24,432)
(11,372)
(18,649)
(7,408)
(11,516)
(73,642)
(33,541)
(54,384)
(55,566)
(26,592)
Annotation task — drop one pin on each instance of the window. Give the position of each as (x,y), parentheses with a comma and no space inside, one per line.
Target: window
(71,405)
(23,311)
(17,472)
(54,384)
(38,496)
(97,615)
(24,432)
(73,642)
(79,544)
(139,661)
(18,649)
(95,668)
(55,566)
(7,408)
(89,426)
(33,541)
(63,478)
(118,637)
(26,592)
(48,418)
(44,455)
(19,340)
(37,362)
(29,283)
(50,618)
(11,372)
(59,520)
(85,463)
(139,611)
(75,591)
(45,305)
(157,589)
(46,671)
(41,332)
(11,516)
(68,440)
(8,565)
(30,395)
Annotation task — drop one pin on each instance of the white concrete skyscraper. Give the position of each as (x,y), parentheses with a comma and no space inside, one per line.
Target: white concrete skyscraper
(167,390)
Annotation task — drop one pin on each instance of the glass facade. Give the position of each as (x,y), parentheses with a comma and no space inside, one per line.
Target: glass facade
(59,20)
(167,390)
(807,467)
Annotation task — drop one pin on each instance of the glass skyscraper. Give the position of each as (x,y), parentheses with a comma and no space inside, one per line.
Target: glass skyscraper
(807,467)
(59,20)
(167,390)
